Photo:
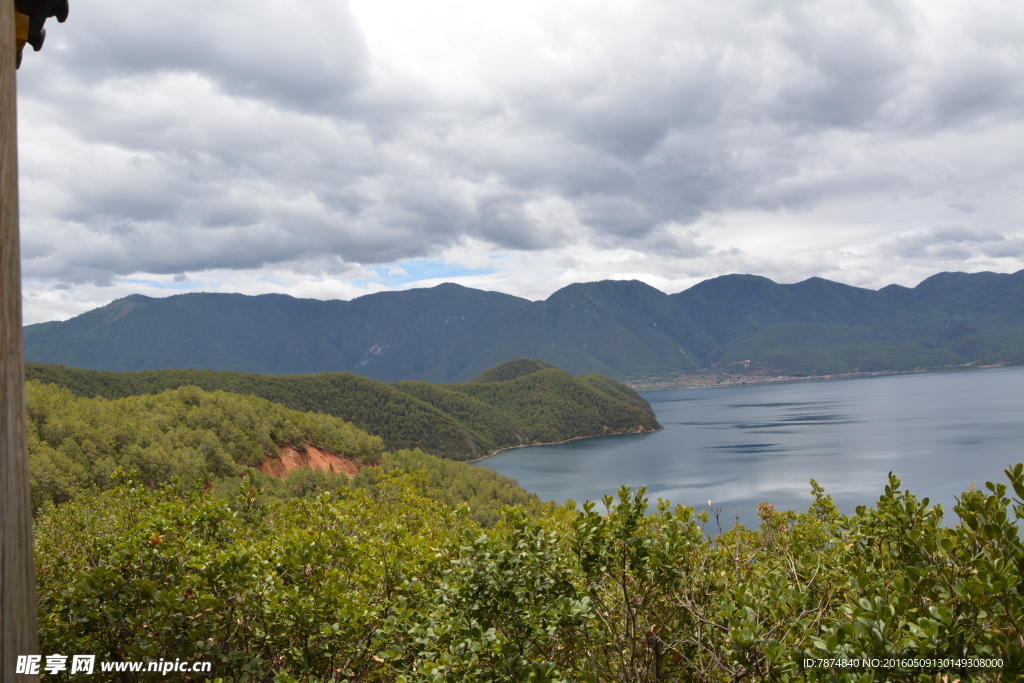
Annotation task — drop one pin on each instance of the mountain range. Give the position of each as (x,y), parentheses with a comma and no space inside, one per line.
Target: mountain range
(624,329)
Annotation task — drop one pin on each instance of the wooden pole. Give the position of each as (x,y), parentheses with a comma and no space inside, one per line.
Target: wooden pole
(18,634)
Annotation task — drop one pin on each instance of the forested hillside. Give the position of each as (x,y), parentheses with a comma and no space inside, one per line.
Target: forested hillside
(818,326)
(460,421)
(78,443)
(382,584)
(621,329)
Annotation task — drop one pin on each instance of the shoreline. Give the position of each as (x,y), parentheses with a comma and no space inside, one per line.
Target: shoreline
(742,380)
(735,380)
(556,443)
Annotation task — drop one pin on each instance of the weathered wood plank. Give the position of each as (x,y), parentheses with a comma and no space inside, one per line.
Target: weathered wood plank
(17,575)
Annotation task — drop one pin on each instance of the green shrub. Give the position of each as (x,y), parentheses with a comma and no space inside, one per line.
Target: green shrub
(381,583)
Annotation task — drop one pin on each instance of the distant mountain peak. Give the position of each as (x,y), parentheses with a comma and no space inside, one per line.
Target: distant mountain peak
(621,328)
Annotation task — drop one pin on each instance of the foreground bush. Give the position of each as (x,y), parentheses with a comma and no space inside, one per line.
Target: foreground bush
(384,584)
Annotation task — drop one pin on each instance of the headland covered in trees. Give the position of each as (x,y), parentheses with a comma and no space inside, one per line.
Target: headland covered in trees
(516,403)
(149,546)
(89,431)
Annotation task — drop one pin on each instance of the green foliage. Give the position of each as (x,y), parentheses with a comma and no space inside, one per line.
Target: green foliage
(298,590)
(381,583)
(484,491)
(485,428)
(552,405)
(512,369)
(1004,357)
(797,348)
(502,607)
(460,421)
(77,443)
(402,420)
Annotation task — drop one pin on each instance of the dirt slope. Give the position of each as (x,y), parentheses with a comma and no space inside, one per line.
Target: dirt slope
(297,457)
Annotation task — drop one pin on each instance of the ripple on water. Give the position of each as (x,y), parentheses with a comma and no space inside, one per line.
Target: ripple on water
(750,448)
(937,431)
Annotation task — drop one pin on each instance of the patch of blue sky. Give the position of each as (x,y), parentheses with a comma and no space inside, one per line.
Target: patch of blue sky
(178,286)
(417,270)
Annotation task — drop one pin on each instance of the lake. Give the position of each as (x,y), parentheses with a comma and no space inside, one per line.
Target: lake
(738,446)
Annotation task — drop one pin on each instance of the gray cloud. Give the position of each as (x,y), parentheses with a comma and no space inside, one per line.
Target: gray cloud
(954,242)
(179,138)
(297,55)
(845,63)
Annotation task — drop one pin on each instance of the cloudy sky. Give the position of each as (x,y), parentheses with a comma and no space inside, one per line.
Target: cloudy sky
(329,149)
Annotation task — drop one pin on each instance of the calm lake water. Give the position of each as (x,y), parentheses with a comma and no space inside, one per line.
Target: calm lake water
(739,446)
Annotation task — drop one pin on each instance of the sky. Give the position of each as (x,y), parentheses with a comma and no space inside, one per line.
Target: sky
(331,149)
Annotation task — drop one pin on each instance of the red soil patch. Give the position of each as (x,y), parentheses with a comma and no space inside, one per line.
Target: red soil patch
(294,458)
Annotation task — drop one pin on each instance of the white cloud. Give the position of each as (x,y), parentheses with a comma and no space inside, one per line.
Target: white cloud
(309,147)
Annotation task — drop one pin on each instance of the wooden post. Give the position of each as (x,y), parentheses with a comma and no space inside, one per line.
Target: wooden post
(18,634)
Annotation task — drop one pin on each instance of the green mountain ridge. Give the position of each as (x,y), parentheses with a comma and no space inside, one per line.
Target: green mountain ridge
(622,329)
(517,403)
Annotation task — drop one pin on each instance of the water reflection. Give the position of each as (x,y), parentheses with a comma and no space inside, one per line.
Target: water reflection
(937,431)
